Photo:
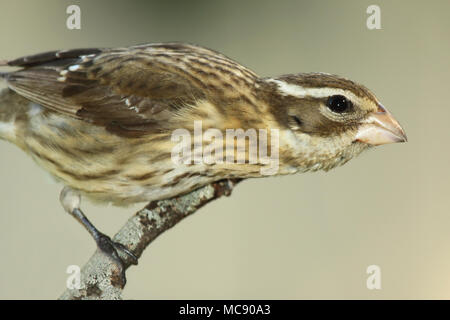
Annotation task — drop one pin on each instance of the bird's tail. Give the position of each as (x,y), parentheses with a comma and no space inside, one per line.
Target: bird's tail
(6,116)
(6,121)
(3,63)
(12,105)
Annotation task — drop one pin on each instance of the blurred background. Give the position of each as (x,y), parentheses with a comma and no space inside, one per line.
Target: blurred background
(295,237)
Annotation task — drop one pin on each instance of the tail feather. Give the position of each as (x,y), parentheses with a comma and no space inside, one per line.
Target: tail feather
(3,63)
(6,119)
(11,105)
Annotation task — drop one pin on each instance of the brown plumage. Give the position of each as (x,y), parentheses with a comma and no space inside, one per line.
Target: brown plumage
(102,120)
(95,85)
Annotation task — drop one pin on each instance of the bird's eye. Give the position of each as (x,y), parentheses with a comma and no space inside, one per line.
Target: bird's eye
(339,104)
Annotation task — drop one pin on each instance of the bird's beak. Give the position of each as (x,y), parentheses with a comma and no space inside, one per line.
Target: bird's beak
(380,127)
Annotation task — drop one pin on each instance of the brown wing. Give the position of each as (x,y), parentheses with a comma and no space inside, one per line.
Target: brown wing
(134,89)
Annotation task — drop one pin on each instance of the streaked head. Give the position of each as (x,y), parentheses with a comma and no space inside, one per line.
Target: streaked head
(325,106)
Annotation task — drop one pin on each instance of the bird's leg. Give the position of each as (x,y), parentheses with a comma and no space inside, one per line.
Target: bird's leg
(71,200)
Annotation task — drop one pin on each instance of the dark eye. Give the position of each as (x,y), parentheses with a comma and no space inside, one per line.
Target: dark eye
(339,104)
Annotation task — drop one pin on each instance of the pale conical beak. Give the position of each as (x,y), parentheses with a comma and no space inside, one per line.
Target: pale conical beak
(380,127)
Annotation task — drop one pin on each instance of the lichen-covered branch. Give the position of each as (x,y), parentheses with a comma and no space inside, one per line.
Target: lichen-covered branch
(101,279)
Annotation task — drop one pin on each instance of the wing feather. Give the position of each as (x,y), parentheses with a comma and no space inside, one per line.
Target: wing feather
(132,88)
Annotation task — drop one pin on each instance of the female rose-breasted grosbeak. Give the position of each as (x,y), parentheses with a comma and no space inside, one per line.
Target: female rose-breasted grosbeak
(100,120)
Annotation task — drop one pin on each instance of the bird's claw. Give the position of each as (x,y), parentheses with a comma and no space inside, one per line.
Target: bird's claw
(111,248)
(120,247)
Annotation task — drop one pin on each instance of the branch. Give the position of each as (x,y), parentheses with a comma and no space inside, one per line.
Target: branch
(101,279)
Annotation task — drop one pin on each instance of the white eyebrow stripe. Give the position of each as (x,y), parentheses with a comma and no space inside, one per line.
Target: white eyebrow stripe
(288,89)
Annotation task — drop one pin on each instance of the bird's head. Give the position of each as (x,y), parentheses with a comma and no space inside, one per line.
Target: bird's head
(330,119)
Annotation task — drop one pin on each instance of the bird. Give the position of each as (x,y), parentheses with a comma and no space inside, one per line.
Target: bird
(102,122)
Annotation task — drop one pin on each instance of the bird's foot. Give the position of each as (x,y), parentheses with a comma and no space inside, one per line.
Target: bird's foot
(112,249)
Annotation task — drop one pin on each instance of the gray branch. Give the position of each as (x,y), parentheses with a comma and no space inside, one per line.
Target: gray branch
(101,279)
